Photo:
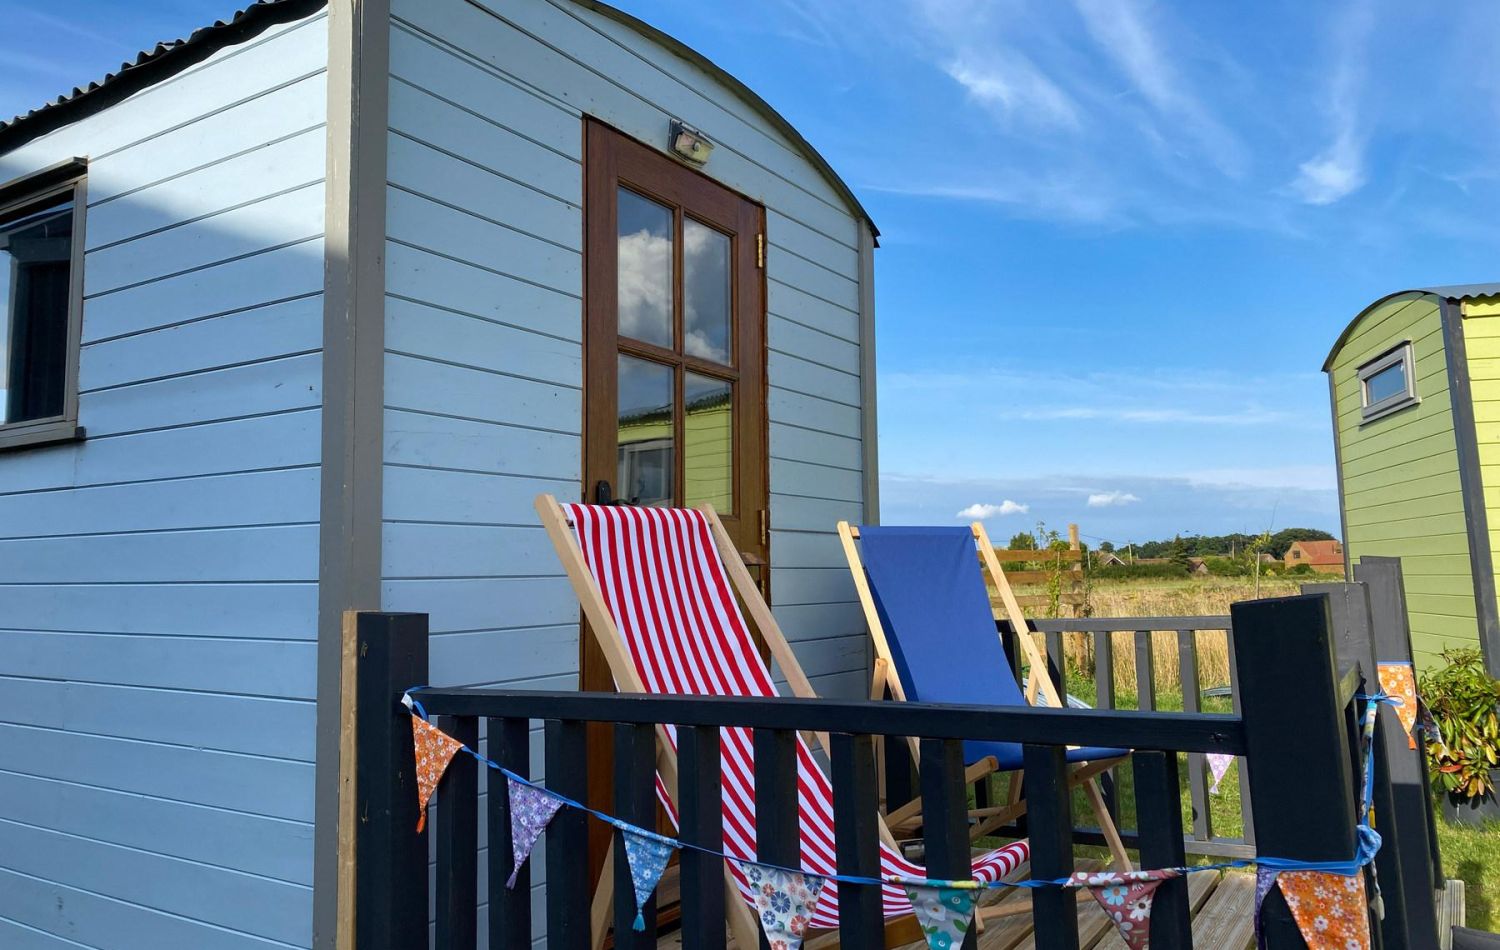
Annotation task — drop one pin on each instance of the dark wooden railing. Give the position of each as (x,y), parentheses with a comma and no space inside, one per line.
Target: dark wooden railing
(1294,709)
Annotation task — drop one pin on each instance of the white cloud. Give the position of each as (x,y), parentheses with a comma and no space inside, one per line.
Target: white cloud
(1010,85)
(1339,169)
(980,511)
(1112,499)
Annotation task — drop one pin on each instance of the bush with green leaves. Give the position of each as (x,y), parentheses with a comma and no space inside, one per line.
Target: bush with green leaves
(1465,702)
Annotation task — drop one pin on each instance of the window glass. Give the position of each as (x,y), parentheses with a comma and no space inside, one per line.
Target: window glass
(647,462)
(644,247)
(705,292)
(708,442)
(36,250)
(1389,382)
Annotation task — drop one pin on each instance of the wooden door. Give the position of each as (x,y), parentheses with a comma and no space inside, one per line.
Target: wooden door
(674,358)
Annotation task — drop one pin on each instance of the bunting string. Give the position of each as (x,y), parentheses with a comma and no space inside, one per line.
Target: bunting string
(1368,840)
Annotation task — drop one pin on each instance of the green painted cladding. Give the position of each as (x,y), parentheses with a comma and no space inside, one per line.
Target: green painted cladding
(1398,476)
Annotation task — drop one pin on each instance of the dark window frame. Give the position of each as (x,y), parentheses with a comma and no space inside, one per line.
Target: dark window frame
(66,180)
(1401,354)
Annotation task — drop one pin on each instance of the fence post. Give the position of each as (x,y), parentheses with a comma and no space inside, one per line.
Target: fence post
(384,655)
(1301,785)
(1354,643)
(1421,866)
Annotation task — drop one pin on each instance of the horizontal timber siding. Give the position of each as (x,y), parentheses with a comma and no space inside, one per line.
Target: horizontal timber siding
(158,581)
(1399,478)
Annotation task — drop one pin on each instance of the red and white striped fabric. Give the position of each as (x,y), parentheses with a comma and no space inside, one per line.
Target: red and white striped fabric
(666,588)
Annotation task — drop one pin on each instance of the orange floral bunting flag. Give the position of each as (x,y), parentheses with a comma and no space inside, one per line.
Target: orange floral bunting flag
(1398,681)
(435,749)
(1330,909)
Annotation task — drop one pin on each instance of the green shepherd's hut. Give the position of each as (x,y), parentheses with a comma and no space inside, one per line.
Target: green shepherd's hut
(1415,384)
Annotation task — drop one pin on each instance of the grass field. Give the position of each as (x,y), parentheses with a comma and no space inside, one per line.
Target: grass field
(1469,854)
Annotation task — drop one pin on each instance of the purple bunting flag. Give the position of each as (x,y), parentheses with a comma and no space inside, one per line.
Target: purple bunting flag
(783,901)
(1218,765)
(648,854)
(1265,879)
(531,809)
(1126,897)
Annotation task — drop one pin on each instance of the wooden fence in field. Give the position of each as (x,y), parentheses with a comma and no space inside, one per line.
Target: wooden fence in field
(1035,569)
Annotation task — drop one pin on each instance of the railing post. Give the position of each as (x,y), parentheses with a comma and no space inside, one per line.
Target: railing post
(567,838)
(1410,797)
(1302,790)
(945,834)
(1054,910)
(700,795)
(1159,817)
(635,802)
(857,838)
(384,654)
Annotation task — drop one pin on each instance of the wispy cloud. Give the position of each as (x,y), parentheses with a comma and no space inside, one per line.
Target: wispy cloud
(980,511)
(1246,416)
(1112,499)
(1339,169)
(1012,87)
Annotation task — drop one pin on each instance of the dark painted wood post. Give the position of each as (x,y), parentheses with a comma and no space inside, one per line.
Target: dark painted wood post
(458,841)
(1159,818)
(635,802)
(945,815)
(510,907)
(1354,643)
(778,831)
(1421,866)
(857,838)
(700,797)
(390,864)
(567,838)
(1302,791)
(1048,801)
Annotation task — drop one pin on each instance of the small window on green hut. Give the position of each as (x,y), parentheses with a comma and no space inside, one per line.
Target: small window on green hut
(1386,384)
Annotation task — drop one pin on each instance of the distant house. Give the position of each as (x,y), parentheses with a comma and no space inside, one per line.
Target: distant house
(1197,565)
(1108,559)
(1266,558)
(1325,557)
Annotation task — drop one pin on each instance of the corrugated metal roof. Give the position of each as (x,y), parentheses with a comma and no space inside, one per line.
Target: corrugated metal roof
(151,66)
(1450,292)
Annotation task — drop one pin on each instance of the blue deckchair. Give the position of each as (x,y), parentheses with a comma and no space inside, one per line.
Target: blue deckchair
(930,617)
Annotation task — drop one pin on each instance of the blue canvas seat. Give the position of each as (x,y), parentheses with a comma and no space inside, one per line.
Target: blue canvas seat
(935,612)
(929,614)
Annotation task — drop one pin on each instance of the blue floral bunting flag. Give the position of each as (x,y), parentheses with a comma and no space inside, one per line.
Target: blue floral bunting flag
(531,809)
(648,854)
(784,902)
(944,911)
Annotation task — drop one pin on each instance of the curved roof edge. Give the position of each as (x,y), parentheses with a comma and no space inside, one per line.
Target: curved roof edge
(151,66)
(766,110)
(1449,292)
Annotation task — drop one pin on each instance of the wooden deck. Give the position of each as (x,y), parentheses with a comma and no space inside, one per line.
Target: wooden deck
(1221,907)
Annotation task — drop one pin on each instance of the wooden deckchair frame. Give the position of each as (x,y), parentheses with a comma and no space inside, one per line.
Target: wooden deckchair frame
(742,924)
(1037,681)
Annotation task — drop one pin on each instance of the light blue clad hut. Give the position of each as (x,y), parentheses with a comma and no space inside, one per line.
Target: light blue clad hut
(303,311)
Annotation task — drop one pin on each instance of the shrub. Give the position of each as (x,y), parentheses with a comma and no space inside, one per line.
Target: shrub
(1465,702)
(1125,571)
(1300,569)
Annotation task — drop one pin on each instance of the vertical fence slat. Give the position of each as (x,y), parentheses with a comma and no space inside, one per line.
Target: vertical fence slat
(1197,763)
(945,814)
(510,908)
(458,841)
(777,833)
(1104,698)
(1247,817)
(1292,717)
(700,811)
(1145,671)
(900,771)
(390,887)
(568,890)
(857,838)
(1159,817)
(1057,663)
(635,802)
(1048,801)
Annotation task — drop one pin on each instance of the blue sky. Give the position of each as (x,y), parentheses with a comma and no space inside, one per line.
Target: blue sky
(1118,237)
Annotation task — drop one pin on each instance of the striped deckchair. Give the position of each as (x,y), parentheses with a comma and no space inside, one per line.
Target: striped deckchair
(658,586)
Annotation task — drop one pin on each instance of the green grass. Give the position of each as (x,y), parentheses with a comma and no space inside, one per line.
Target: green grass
(1470,854)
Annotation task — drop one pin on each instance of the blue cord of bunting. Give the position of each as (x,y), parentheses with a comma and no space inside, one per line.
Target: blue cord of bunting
(1367,838)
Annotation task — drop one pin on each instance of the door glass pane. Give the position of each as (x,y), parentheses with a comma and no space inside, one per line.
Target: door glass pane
(708,437)
(705,291)
(647,465)
(644,243)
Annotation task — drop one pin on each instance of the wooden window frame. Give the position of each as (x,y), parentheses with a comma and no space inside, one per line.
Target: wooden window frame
(1400,353)
(65,179)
